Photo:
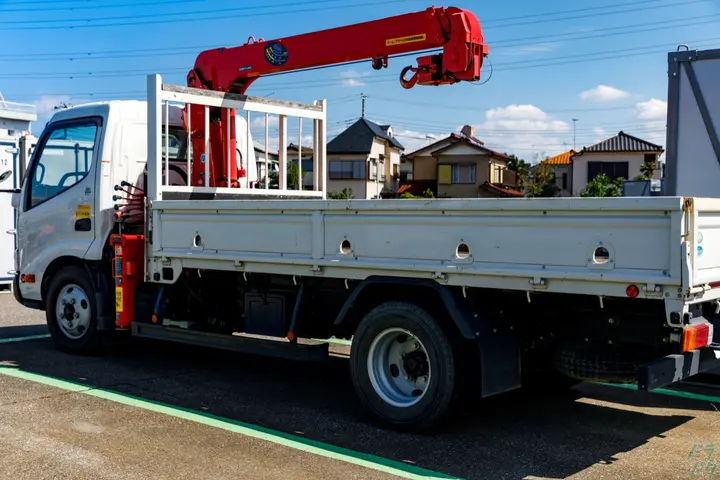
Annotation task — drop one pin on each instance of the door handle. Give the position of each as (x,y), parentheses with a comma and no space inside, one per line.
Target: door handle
(82,225)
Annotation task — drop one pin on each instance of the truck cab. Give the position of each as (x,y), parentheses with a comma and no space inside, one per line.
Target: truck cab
(65,208)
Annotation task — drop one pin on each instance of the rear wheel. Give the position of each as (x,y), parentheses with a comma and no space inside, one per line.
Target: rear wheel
(403,367)
(71,311)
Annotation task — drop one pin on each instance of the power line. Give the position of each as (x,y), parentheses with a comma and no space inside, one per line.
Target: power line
(89,7)
(560,12)
(575,17)
(193,16)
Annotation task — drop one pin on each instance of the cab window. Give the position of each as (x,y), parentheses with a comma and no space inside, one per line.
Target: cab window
(65,159)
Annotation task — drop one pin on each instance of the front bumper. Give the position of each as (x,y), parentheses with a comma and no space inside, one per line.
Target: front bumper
(34,304)
(677,367)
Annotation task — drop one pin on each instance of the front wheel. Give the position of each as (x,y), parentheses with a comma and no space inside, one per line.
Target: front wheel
(72,311)
(403,367)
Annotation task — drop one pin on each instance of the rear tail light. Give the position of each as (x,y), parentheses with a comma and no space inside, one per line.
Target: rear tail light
(696,336)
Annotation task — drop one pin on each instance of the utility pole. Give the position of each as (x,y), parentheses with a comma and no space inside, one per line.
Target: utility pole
(574,136)
(363,97)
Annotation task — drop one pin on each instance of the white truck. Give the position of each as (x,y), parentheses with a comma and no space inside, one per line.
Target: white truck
(438,296)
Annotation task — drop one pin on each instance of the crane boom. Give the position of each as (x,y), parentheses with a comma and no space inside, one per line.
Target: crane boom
(455,30)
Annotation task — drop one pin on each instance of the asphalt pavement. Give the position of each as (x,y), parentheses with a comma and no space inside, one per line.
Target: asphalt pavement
(151,410)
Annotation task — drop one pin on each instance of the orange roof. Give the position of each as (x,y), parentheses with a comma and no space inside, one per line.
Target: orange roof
(562,159)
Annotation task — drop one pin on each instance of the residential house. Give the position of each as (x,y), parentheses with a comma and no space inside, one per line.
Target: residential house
(273,161)
(460,166)
(619,156)
(365,158)
(306,162)
(562,166)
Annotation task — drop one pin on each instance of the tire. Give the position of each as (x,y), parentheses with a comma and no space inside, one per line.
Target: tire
(381,385)
(72,287)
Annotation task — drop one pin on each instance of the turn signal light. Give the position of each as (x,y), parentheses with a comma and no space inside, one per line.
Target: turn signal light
(696,336)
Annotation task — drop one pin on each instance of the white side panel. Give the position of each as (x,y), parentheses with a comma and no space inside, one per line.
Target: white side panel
(706,242)
(509,239)
(693,163)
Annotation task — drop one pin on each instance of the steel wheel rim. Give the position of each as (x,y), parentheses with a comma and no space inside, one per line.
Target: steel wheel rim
(399,367)
(73,312)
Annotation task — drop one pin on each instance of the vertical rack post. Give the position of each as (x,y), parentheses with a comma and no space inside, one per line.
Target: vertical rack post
(267,139)
(188,149)
(206,157)
(229,147)
(282,152)
(250,150)
(316,186)
(322,154)
(300,181)
(154,105)
(167,144)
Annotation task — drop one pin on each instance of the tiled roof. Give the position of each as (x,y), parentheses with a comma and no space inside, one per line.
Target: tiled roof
(443,142)
(358,138)
(622,142)
(453,139)
(562,159)
(504,192)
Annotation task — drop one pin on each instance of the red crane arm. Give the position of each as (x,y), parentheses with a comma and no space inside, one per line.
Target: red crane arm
(455,30)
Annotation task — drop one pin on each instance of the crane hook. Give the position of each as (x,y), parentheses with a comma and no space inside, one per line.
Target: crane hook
(409,83)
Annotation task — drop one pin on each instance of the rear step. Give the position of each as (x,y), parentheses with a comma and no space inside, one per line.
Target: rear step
(274,348)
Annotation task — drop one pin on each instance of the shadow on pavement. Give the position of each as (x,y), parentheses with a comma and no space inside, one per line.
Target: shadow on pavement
(510,436)
(20,331)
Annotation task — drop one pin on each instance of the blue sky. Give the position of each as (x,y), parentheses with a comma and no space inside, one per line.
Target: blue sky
(603,63)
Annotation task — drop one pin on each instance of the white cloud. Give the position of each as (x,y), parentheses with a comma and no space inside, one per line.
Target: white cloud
(599,131)
(604,93)
(652,109)
(46,104)
(525,130)
(414,139)
(351,78)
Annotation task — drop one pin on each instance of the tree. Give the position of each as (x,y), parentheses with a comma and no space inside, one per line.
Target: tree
(542,182)
(292,178)
(521,169)
(647,170)
(344,194)
(602,186)
(426,194)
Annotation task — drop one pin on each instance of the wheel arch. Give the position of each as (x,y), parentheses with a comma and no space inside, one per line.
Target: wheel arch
(427,293)
(100,276)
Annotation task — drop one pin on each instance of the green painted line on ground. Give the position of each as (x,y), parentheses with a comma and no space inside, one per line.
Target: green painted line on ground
(665,391)
(326,450)
(339,341)
(24,339)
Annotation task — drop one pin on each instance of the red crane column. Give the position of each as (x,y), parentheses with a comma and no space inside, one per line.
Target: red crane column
(456,30)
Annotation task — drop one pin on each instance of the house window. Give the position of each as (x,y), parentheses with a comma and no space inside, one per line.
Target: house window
(463,173)
(377,167)
(613,170)
(650,158)
(564,181)
(347,169)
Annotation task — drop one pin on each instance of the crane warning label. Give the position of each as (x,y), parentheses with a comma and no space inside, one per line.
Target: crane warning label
(390,42)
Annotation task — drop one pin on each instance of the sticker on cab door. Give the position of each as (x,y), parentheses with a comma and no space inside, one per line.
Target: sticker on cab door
(82,211)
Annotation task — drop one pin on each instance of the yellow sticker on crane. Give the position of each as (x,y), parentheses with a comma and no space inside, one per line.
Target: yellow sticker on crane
(82,211)
(402,40)
(118,299)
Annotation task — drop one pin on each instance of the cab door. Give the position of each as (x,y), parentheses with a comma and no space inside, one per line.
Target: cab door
(56,215)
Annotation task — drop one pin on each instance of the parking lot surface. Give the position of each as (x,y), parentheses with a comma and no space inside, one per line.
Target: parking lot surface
(160,411)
